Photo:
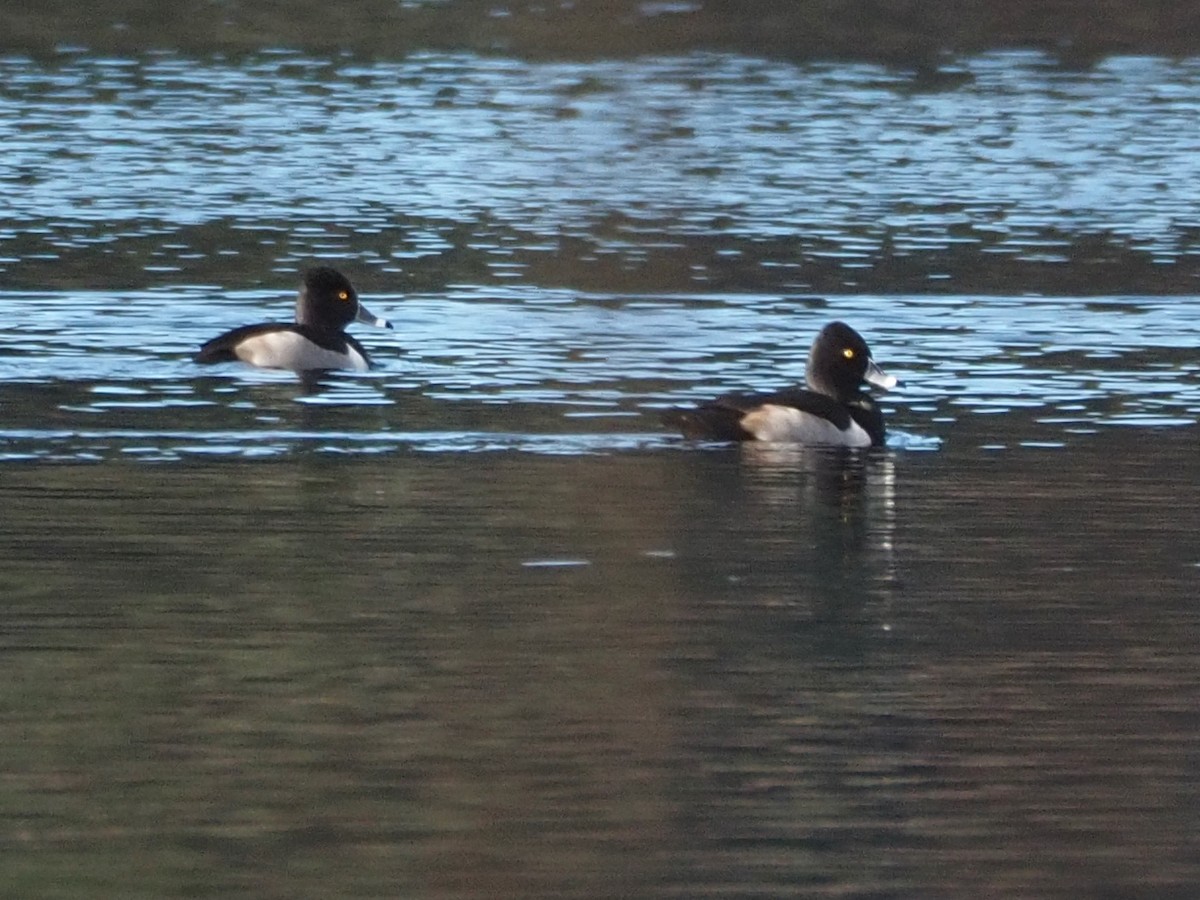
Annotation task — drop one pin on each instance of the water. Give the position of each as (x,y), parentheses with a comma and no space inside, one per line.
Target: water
(474,624)
(703,172)
(644,673)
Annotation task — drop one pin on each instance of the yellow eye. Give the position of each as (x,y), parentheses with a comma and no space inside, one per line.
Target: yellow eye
(848,353)
(342,295)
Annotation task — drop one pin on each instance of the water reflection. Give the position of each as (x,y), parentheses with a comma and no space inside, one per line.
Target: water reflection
(818,520)
(776,666)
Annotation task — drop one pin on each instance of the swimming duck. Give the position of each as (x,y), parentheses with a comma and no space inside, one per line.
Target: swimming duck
(326,305)
(834,410)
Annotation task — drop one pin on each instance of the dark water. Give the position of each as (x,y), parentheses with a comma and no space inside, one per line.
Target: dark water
(474,624)
(648,673)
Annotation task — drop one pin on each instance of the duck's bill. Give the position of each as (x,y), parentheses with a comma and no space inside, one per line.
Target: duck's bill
(879,378)
(369,318)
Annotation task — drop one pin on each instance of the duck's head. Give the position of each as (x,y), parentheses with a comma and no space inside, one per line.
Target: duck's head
(839,363)
(329,302)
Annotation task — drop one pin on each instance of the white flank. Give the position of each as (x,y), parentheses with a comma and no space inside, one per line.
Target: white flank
(288,350)
(786,424)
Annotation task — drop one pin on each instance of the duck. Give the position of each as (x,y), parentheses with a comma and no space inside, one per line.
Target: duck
(327,303)
(833,410)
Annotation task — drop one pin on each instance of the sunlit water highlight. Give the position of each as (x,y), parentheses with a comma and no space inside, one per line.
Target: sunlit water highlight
(287,137)
(705,169)
(568,248)
(99,372)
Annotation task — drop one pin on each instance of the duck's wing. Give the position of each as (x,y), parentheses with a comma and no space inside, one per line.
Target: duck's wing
(222,348)
(765,416)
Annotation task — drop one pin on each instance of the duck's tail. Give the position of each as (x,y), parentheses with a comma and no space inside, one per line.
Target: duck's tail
(709,422)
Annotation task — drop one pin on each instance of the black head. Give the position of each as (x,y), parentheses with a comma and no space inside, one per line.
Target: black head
(839,363)
(327,300)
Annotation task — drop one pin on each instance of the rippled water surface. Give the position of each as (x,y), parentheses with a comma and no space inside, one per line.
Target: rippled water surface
(695,170)
(475,624)
(105,374)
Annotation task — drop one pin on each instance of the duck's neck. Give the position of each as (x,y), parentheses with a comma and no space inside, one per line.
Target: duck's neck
(830,388)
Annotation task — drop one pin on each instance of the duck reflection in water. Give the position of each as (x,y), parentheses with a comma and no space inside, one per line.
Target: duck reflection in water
(806,561)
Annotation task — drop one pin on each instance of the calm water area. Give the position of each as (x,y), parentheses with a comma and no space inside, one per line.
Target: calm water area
(475,623)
